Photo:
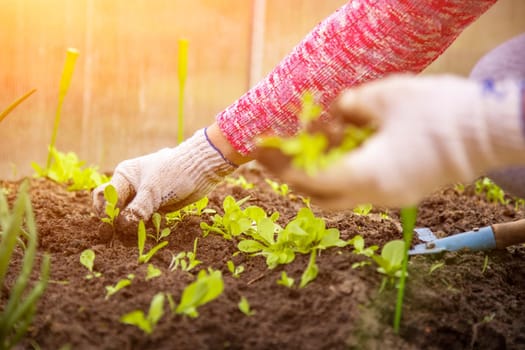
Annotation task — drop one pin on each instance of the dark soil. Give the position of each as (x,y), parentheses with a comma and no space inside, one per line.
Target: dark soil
(461,305)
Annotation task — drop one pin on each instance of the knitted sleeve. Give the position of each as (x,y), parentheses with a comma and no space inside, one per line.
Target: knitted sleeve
(363,40)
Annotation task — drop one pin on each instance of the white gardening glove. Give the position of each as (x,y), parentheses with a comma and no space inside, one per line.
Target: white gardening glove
(431,131)
(169,179)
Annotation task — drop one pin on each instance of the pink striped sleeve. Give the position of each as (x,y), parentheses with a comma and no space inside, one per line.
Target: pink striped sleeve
(362,41)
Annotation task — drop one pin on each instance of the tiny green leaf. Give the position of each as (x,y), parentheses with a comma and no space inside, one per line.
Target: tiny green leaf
(110,290)
(311,271)
(244,306)
(152,272)
(285,280)
(87,258)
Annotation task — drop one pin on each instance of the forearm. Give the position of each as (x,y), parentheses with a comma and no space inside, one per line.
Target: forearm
(362,41)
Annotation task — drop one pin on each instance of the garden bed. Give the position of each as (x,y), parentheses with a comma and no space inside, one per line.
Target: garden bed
(476,300)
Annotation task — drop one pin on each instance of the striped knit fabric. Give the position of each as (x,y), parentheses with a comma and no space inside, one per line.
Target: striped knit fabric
(362,41)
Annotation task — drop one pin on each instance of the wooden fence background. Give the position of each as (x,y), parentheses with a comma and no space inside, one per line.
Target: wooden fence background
(123,99)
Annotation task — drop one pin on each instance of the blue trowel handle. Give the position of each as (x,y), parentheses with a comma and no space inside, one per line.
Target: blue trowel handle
(488,237)
(480,239)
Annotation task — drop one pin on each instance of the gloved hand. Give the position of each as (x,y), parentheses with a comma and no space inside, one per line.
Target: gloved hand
(431,131)
(169,179)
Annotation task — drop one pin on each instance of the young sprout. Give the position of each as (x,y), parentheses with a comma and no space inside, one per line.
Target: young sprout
(240,181)
(87,258)
(66,168)
(152,272)
(285,280)
(156,218)
(493,193)
(146,322)
(110,290)
(19,301)
(391,260)
(311,270)
(198,208)
(208,286)
(245,308)
(111,210)
(280,189)
(235,270)
(359,246)
(145,257)
(186,260)
(363,209)
(485,264)
(435,267)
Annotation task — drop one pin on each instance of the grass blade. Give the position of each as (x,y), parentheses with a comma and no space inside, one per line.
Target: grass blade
(65,81)
(15,104)
(408,221)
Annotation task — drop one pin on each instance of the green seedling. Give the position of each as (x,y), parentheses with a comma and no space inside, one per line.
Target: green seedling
(519,203)
(485,264)
(65,81)
(285,280)
(13,105)
(110,290)
(145,257)
(111,209)
(359,246)
(20,302)
(87,258)
(171,303)
(280,189)
(208,286)
(235,270)
(245,308)
(384,216)
(303,234)
(186,260)
(459,187)
(306,201)
(311,270)
(146,322)
(390,261)
(156,219)
(239,181)
(436,266)
(198,208)
(234,221)
(309,151)
(493,193)
(66,168)
(152,272)
(408,221)
(363,209)
(183,73)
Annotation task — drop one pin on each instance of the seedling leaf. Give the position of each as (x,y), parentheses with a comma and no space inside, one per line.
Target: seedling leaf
(311,271)
(206,288)
(285,280)
(244,306)
(87,258)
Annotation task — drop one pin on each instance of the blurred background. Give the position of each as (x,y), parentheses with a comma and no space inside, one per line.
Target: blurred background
(123,99)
